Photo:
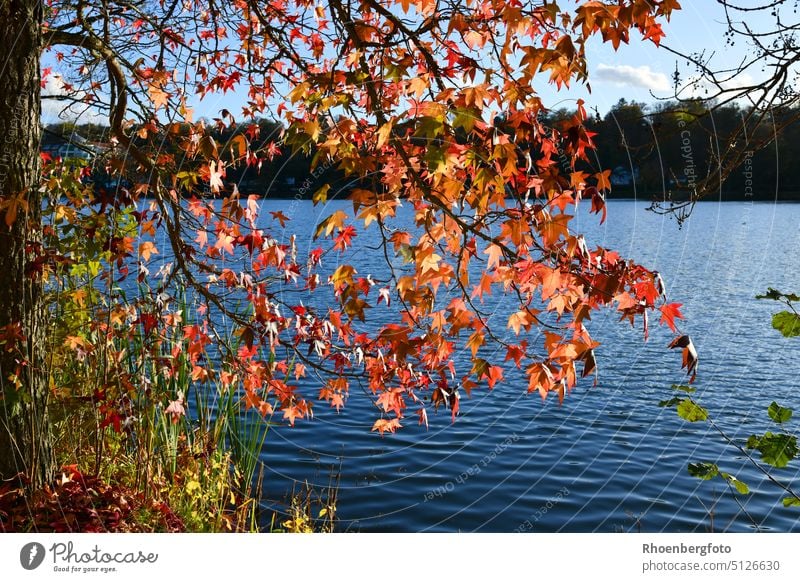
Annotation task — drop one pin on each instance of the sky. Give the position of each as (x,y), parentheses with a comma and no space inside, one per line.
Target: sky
(643,72)
(639,71)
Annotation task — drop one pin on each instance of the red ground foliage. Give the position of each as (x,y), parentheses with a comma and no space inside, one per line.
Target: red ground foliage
(79,503)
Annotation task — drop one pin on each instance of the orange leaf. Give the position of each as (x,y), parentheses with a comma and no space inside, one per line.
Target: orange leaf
(383,425)
(158,96)
(280,217)
(625,301)
(603,180)
(12,206)
(475,341)
(146,249)
(519,320)
(495,254)
(224,243)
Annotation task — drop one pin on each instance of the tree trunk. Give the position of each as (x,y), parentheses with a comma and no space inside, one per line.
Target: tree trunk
(25,438)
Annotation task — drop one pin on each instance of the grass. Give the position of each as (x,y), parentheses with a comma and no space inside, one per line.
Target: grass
(122,392)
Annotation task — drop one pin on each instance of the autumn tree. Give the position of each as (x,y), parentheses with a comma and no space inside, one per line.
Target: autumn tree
(427,105)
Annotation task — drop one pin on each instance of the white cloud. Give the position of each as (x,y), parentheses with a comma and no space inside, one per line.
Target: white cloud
(55,110)
(627,76)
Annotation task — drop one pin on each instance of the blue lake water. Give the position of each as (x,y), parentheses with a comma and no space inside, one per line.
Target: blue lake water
(608,459)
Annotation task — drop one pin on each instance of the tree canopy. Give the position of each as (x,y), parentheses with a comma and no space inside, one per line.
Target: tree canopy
(427,105)
(158,316)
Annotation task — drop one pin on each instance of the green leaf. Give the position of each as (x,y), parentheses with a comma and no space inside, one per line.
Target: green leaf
(740,486)
(429,127)
(704,471)
(436,158)
(465,118)
(682,388)
(689,410)
(407,252)
(778,413)
(671,402)
(791,501)
(776,295)
(776,449)
(707,471)
(787,323)
(771,293)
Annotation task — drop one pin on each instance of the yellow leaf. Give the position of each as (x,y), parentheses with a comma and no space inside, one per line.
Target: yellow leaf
(418,85)
(476,340)
(383,133)
(321,195)
(298,92)
(310,128)
(335,220)
(343,275)
(429,262)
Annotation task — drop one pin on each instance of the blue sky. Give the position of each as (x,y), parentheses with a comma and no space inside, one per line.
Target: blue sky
(636,70)
(632,72)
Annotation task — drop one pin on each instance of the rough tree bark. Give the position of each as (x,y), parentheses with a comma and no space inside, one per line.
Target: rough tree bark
(25,438)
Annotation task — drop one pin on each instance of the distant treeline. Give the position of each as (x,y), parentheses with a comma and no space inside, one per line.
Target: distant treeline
(672,146)
(653,150)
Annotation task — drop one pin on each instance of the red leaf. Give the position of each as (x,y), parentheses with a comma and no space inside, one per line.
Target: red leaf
(669,312)
(690,358)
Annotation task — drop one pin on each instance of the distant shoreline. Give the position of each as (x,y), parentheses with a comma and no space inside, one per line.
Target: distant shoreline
(792,197)
(707,200)
(626,193)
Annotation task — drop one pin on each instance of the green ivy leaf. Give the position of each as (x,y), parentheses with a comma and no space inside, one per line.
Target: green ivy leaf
(791,501)
(689,410)
(776,449)
(704,471)
(787,323)
(671,402)
(682,388)
(778,413)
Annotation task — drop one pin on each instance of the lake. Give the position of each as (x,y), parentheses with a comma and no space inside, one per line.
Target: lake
(609,459)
